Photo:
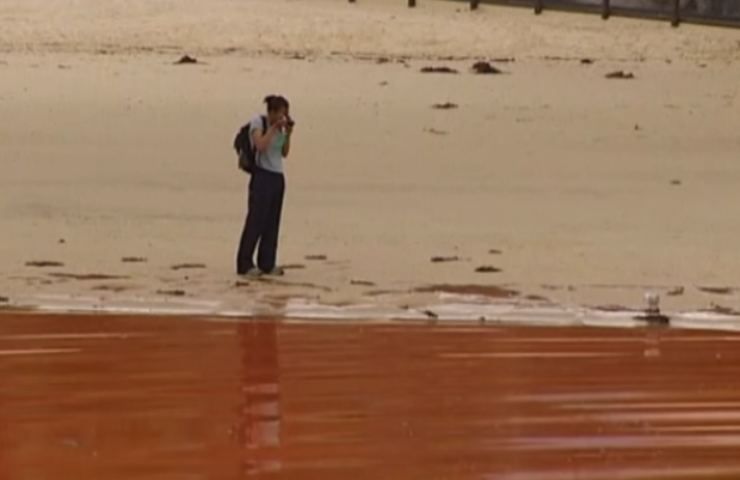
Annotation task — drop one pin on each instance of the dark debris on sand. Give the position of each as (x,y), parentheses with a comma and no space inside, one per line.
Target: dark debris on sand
(362,283)
(87,276)
(485,68)
(438,70)
(676,292)
(716,290)
(188,266)
(315,258)
(44,263)
(186,60)
(487,269)
(434,131)
(445,106)
(714,308)
(133,259)
(656,318)
(442,259)
(620,75)
(491,291)
(172,293)
(4,299)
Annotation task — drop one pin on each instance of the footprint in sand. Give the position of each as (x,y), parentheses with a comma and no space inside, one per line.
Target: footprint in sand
(44,263)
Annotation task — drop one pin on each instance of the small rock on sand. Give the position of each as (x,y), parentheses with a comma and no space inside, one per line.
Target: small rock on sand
(44,263)
(620,74)
(495,251)
(438,70)
(485,68)
(186,60)
(676,182)
(61,241)
(430,314)
(587,61)
(320,258)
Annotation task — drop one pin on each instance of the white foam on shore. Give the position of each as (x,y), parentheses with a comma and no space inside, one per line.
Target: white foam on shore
(448,309)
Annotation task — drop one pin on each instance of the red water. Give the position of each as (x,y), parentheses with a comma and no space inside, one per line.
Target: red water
(172,398)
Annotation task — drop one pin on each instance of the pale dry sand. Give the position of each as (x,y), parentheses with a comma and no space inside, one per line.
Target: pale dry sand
(107,145)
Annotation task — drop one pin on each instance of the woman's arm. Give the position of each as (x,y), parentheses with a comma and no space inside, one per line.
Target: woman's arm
(262,140)
(286,145)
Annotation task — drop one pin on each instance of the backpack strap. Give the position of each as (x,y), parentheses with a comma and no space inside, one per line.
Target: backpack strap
(264,130)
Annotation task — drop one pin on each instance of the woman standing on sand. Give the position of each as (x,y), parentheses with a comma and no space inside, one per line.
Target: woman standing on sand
(270,136)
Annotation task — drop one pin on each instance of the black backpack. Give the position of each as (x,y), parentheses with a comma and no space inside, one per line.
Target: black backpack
(244,148)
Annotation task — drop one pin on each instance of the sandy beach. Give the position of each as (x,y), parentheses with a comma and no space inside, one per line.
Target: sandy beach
(583,191)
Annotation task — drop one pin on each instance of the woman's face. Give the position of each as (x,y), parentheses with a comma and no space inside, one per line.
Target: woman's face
(275,115)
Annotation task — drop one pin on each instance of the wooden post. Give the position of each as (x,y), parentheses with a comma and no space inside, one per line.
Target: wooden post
(474,4)
(538,6)
(412,3)
(606,9)
(676,20)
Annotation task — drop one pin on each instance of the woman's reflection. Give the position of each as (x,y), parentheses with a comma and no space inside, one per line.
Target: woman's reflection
(259,428)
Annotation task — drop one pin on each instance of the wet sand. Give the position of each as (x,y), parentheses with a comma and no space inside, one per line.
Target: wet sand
(172,398)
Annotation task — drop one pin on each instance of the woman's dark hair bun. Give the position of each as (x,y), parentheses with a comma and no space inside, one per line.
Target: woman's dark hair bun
(276,102)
